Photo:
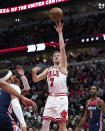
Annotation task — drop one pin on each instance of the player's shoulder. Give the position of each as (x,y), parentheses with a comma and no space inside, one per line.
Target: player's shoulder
(87,102)
(16,88)
(100,100)
(63,70)
(50,68)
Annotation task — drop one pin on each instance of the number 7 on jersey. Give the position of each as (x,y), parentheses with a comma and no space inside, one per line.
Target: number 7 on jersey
(52,81)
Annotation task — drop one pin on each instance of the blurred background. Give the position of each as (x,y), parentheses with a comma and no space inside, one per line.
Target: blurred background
(28,38)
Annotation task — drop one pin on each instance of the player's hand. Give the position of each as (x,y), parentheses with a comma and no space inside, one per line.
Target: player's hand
(23,128)
(36,69)
(59,26)
(27,102)
(20,70)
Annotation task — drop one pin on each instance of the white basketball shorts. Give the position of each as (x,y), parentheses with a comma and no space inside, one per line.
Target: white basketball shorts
(56,108)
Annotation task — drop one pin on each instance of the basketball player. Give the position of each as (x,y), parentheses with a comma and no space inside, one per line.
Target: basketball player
(7,103)
(95,111)
(56,108)
(7,88)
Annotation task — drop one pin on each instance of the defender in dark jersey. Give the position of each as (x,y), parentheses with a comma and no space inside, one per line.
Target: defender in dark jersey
(9,105)
(95,112)
(7,122)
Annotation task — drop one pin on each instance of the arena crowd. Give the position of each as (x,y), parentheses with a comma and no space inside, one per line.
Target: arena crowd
(74,27)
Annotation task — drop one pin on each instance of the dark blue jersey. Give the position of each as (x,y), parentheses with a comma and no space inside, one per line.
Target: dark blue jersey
(4,105)
(4,101)
(6,112)
(95,117)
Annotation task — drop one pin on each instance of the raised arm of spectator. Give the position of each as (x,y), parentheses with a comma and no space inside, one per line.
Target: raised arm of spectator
(63,63)
(37,78)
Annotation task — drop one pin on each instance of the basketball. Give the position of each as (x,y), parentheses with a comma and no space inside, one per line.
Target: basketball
(56,14)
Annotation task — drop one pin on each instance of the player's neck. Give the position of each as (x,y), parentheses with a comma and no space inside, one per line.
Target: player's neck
(56,64)
(93,98)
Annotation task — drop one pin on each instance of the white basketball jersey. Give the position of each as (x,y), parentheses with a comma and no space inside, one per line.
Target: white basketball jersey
(56,81)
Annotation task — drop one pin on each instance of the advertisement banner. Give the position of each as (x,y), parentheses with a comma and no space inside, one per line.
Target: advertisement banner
(30,6)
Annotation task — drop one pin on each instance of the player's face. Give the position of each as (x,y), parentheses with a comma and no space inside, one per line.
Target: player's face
(56,57)
(93,91)
(12,79)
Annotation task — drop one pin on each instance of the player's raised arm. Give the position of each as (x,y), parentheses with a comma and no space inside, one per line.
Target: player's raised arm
(26,88)
(37,78)
(59,27)
(83,120)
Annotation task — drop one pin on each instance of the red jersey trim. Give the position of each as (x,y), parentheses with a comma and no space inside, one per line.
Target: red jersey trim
(54,119)
(57,94)
(60,119)
(12,120)
(48,118)
(100,122)
(93,103)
